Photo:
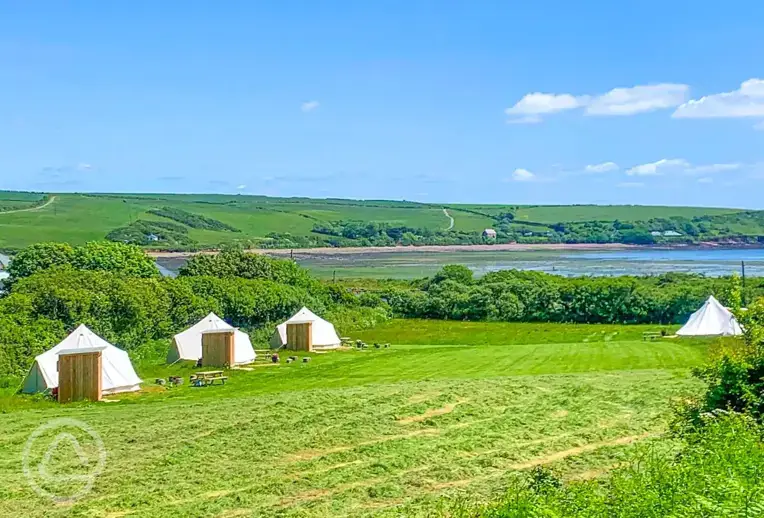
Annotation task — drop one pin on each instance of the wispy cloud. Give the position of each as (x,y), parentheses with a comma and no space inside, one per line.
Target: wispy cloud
(532,105)
(631,185)
(618,101)
(659,167)
(604,167)
(309,106)
(241,187)
(759,126)
(705,179)
(747,101)
(523,175)
(638,99)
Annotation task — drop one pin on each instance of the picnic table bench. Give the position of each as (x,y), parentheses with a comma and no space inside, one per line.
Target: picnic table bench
(206,378)
(651,335)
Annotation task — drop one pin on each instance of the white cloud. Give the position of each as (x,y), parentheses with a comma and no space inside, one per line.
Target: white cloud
(84,166)
(604,167)
(747,101)
(638,99)
(705,180)
(759,126)
(523,175)
(631,185)
(309,106)
(241,187)
(657,168)
(538,103)
(619,101)
(714,168)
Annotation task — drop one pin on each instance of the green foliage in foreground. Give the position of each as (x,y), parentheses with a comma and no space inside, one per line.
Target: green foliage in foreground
(717,473)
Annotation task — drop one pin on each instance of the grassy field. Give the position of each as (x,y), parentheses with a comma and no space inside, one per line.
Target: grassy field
(554,214)
(449,411)
(79,218)
(10,200)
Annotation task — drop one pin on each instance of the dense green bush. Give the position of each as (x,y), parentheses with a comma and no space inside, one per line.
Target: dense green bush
(193,220)
(533,296)
(237,263)
(153,233)
(98,255)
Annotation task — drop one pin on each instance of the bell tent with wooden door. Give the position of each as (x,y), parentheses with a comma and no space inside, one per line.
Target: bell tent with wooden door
(712,319)
(323,334)
(117,373)
(188,344)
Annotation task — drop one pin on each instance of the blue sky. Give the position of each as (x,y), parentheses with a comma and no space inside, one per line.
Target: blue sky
(496,102)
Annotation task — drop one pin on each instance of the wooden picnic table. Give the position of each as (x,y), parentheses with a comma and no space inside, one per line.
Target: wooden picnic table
(651,335)
(208,378)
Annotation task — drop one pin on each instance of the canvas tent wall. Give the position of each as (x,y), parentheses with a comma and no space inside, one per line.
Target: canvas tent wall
(117,373)
(188,344)
(324,336)
(712,319)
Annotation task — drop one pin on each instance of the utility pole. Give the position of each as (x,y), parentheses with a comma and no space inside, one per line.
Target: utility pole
(742,291)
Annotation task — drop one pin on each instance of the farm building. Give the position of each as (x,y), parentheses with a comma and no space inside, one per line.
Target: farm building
(322,335)
(117,373)
(712,319)
(188,344)
(489,233)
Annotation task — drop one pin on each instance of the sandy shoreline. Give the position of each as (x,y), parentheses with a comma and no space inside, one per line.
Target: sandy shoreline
(328,251)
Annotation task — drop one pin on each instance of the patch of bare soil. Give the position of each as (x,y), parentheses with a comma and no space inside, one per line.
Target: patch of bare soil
(554,457)
(447,409)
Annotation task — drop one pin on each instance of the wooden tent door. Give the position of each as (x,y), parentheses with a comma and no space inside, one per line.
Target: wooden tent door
(217,348)
(79,377)
(300,336)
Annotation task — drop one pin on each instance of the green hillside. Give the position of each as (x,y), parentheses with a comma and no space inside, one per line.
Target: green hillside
(180,221)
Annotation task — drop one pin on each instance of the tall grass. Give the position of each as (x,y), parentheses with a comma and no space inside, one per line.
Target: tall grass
(715,473)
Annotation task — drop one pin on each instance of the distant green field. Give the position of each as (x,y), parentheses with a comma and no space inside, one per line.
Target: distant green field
(556,214)
(404,431)
(11,200)
(79,218)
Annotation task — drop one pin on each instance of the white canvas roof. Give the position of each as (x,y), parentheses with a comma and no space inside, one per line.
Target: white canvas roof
(324,334)
(188,344)
(712,319)
(118,374)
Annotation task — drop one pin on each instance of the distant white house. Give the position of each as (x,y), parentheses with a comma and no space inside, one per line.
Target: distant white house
(489,233)
(668,233)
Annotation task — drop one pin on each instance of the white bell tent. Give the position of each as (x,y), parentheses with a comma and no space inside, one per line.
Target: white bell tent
(324,336)
(117,373)
(188,344)
(712,319)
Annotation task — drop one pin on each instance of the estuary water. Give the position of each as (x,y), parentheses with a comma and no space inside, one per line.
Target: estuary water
(415,264)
